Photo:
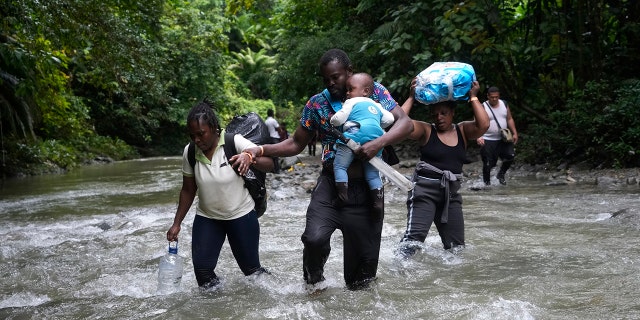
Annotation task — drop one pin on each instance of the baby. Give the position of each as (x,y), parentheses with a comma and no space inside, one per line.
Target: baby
(362,120)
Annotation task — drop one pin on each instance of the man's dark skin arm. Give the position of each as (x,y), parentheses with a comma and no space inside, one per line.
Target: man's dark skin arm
(292,146)
(402,127)
(297,142)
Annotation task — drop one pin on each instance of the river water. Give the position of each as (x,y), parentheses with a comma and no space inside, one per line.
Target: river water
(86,245)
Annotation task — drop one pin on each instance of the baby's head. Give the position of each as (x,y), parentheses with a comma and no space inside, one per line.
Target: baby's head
(359,85)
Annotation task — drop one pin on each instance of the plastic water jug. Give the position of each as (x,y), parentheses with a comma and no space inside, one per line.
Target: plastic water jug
(170,270)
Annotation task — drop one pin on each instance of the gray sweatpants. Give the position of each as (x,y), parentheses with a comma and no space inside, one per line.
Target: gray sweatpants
(425,204)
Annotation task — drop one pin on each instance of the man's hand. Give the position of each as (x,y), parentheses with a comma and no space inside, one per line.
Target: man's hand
(368,150)
(242,162)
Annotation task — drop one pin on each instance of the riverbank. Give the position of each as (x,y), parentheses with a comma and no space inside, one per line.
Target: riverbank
(307,167)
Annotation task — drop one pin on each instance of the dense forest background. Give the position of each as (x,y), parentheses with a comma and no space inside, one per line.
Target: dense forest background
(83,79)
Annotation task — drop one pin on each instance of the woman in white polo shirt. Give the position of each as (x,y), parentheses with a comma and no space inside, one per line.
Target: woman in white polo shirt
(225,207)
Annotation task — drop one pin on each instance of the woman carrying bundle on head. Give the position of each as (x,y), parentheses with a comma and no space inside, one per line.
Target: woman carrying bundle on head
(435,197)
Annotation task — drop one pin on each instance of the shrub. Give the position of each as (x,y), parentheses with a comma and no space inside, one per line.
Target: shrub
(600,125)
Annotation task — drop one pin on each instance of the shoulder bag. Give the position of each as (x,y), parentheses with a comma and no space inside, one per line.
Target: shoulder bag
(505,133)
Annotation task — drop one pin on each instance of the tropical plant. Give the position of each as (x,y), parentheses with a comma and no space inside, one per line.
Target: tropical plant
(254,68)
(84,70)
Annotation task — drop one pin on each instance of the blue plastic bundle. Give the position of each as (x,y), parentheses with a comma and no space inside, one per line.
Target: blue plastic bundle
(444,81)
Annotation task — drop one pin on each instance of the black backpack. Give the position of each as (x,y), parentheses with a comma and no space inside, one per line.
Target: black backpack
(252,127)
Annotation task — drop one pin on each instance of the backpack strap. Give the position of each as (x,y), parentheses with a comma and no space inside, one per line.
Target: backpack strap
(494,115)
(191,154)
(230,147)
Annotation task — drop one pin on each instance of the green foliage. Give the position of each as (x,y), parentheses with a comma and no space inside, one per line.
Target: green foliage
(58,152)
(600,125)
(289,116)
(296,75)
(36,98)
(131,70)
(250,24)
(254,68)
(239,105)
(50,156)
(236,102)
(27,159)
(414,35)
(296,18)
(193,37)
(17,112)
(99,146)
(617,128)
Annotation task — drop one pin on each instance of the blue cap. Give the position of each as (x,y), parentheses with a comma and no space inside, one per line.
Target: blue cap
(173,247)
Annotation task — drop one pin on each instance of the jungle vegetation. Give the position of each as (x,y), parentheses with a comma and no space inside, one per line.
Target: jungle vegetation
(84,79)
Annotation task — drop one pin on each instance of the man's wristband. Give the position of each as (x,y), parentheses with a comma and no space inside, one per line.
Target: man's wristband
(474,99)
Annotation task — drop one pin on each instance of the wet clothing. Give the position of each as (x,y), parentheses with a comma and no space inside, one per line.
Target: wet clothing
(209,236)
(344,157)
(494,148)
(225,210)
(435,197)
(361,230)
(491,152)
(446,178)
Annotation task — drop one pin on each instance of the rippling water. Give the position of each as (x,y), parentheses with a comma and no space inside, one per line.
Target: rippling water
(87,244)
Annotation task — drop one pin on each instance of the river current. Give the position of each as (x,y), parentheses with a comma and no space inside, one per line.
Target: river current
(86,245)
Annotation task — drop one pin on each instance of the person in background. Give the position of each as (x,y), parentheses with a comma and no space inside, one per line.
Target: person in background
(361,230)
(361,120)
(274,133)
(491,145)
(225,207)
(435,197)
(283,133)
(312,144)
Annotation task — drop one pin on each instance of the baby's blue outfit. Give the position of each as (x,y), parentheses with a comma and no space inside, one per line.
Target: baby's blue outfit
(365,120)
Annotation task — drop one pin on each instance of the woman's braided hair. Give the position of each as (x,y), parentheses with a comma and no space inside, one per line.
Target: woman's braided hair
(204,110)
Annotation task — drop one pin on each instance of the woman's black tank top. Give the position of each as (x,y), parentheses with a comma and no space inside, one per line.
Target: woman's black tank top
(442,156)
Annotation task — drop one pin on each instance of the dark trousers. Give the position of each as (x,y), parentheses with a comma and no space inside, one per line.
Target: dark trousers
(209,235)
(361,232)
(424,207)
(312,148)
(491,151)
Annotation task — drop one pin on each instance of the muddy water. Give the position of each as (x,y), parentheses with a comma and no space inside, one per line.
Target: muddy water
(87,244)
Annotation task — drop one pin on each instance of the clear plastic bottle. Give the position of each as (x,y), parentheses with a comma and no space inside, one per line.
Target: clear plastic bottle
(170,270)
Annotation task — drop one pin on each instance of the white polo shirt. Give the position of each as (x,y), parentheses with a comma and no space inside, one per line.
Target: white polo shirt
(221,192)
